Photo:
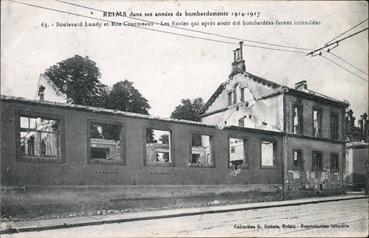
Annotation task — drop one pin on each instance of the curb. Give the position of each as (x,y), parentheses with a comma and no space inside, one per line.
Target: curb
(120,220)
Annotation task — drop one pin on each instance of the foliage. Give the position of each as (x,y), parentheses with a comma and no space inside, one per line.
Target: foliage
(125,97)
(188,110)
(78,78)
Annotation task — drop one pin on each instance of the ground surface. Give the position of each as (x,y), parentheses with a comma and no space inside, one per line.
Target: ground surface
(351,215)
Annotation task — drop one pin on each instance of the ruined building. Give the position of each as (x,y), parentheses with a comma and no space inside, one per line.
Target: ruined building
(356,167)
(256,136)
(313,125)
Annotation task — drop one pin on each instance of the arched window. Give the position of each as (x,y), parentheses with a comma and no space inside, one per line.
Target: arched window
(235,89)
(229,98)
(235,93)
(242,96)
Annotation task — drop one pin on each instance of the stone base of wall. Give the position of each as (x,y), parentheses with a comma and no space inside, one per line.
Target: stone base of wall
(304,193)
(46,202)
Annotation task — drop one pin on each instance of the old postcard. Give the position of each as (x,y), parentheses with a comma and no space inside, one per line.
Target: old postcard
(184,118)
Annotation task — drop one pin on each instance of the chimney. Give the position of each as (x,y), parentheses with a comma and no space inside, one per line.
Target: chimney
(238,62)
(41,92)
(302,85)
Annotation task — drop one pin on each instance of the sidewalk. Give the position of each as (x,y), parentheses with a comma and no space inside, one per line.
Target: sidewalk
(47,224)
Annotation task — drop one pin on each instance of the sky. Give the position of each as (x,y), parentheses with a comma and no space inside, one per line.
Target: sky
(166,68)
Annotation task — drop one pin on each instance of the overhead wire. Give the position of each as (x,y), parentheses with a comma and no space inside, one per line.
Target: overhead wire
(347,30)
(191,36)
(336,42)
(347,62)
(186,29)
(234,38)
(332,61)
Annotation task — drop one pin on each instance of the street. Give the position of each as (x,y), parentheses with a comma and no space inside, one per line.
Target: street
(339,218)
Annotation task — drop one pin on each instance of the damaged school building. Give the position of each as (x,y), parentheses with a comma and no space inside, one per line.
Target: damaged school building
(255,135)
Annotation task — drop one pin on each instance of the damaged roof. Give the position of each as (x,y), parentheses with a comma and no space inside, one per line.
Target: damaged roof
(101,110)
(306,93)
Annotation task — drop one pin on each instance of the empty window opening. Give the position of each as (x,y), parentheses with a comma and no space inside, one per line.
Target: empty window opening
(297,120)
(39,137)
(236,87)
(105,142)
(201,150)
(334,126)
(317,161)
(241,122)
(334,162)
(268,153)
(230,99)
(158,146)
(297,159)
(242,92)
(237,153)
(317,123)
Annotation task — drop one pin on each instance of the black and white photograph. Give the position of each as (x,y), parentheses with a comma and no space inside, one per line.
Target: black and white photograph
(175,118)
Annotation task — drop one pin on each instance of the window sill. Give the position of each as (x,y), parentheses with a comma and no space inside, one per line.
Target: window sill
(41,159)
(269,167)
(201,165)
(160,164)
(239,167)
(105,162)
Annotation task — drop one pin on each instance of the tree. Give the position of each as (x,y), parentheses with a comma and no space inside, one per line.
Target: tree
(78,78)
(188,110)
(123,96)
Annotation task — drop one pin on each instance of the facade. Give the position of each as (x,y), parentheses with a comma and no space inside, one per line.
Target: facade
(312,124)
(95,146)
(357,163)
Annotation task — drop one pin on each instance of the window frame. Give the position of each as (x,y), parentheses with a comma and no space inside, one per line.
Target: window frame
(301,167)
(319,110)
(331,156)
(171,145)
(34,158)
(300,110)
(246,164)
(122,137)
(275,153)
(321,161)
(212,148)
